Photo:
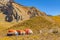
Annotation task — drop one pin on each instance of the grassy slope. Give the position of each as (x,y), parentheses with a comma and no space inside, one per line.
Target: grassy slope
(57,19)
(36,24)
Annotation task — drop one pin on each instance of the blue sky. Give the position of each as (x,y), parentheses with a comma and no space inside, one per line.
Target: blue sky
(51,7)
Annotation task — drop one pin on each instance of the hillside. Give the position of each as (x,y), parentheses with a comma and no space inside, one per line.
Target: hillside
(27,17)
(36,24)
(56,19)
(22,11)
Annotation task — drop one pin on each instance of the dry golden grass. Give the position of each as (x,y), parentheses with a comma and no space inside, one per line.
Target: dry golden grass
(56,18)
(36,24)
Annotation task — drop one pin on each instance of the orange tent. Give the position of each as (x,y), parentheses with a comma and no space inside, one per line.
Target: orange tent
(28,31)
(11,30)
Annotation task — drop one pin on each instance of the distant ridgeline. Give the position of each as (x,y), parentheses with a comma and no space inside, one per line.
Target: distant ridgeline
(12,10)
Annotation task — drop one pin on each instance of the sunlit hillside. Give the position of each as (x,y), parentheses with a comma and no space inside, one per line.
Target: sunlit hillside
(44,27)
(22,11)
(56,19)
(36,24)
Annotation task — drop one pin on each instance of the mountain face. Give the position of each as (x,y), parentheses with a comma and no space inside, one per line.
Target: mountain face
(12,12)
(27,12)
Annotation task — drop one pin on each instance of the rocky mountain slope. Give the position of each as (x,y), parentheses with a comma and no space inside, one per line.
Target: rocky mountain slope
(23,12)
